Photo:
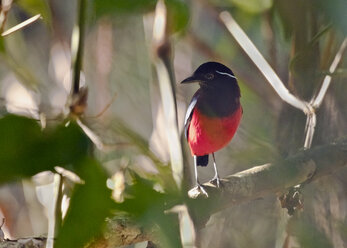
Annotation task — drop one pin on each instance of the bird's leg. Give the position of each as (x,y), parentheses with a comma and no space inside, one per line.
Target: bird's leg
(216,178)
(198,184)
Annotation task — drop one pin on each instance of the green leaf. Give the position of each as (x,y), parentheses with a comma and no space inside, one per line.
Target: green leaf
(309,236)
(178,15)
(107,7)
(148,207)
(304,53)
(253,6)
(90,204)
(35,7)
(165,178)
(25,150)
(178,12)
(334,11)
(2,45)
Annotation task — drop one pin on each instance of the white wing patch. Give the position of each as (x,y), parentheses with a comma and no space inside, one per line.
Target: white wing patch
(189,115)
(190,109)
(224,73)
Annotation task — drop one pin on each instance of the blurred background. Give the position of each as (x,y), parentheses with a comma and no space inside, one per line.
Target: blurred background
(298,38)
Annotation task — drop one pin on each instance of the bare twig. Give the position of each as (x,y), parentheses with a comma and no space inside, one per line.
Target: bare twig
(162,64)
(5,6)
(165,75)
(264,67)
(21,25)
(77,44)
(317,101)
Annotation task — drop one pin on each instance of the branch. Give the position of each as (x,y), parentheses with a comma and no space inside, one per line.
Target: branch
(263,66)
(268,179)
(317,101)
(165,75)
(77,44)
(23,243)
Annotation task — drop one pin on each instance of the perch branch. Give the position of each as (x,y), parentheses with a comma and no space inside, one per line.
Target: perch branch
(274,178)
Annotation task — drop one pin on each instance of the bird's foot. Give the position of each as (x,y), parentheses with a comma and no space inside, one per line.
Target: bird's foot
(201,189)
(216,181)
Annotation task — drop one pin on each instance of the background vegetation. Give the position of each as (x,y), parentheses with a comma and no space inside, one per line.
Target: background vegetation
(121,150)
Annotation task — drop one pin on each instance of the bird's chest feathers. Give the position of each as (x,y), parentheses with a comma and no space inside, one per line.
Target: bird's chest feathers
(208,134)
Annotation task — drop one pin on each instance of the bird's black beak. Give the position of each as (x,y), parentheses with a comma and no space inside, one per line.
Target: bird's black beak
(192,79)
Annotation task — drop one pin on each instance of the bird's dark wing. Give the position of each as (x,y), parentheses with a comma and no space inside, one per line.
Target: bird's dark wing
(189,114)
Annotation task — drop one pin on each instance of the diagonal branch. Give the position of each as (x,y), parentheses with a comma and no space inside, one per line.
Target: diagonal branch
(317,101)
(263,66)
(274,178)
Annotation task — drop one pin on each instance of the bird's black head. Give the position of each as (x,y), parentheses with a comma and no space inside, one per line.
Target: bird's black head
(211,74)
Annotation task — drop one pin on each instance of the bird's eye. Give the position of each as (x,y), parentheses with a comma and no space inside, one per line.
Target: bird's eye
(209,76)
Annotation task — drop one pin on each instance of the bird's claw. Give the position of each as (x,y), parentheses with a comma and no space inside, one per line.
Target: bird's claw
(216,181)
(201,189)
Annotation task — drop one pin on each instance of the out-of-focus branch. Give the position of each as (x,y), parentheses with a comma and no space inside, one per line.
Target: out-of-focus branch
(23,243)
(77,44)
(162,63)
(5,7)
(166,79)
(21,25)
(317,101)
(261,63)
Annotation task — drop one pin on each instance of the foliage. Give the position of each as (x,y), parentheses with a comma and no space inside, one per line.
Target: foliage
(298,38)
(26,150)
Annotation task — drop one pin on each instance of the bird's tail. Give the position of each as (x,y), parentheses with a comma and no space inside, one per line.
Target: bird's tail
(202,160)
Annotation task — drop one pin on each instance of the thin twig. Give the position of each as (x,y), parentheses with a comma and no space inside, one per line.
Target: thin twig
(58,213)
(21,25)
(104,109)
(5,6)
(258,59)
(165,77)
(317,101)
(77,44)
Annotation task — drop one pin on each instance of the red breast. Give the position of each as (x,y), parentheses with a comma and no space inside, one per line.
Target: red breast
(209,134)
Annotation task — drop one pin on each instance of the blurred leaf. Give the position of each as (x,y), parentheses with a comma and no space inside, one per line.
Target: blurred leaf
(334,11)
(178,12)
(148,207)
(303,53)
(107,7)
(178,15)
(25,150)
(310,237)
(165,177)
(253,6)
(2,45)
(90,204)
(36,7)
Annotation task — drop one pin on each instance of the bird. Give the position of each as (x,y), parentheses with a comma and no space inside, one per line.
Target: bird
(213,114)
